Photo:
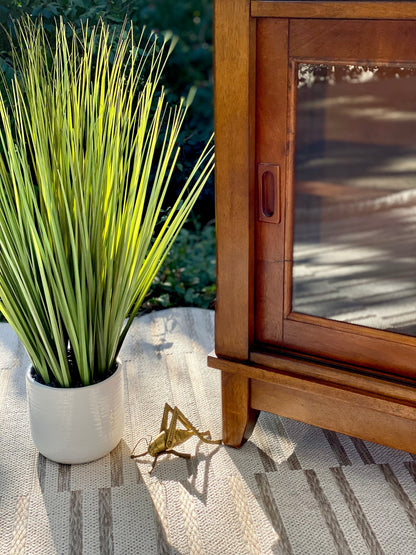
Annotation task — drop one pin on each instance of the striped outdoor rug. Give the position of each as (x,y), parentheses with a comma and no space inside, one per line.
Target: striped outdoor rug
(292,489)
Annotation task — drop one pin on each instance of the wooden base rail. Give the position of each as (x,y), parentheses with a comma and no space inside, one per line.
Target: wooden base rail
(377,409)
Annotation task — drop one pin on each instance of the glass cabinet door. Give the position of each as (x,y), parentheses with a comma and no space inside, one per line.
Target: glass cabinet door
(354,237)
(336,273)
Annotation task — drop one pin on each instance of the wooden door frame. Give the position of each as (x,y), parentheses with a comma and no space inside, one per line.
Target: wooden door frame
(328,43)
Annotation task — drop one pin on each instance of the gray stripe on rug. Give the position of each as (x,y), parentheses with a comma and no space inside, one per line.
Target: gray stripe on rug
(328,513)
(41,471)
(270,506)
(105,518)
(337,447)
(411,468)
(64,477)
(399,492)
(357,512)
(75,523)
(116,466)
(362,450)
(266,459)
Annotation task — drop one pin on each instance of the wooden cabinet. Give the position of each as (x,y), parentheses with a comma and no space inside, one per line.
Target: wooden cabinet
(315,116)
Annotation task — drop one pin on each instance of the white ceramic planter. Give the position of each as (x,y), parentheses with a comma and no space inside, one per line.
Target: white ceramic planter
(76,425)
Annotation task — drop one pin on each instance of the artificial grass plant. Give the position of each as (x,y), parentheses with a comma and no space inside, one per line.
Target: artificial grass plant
(87,151)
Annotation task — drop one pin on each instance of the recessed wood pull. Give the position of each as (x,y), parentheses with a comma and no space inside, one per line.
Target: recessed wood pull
(268,193)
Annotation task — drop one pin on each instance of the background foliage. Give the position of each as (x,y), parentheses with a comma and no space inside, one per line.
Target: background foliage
(189,274)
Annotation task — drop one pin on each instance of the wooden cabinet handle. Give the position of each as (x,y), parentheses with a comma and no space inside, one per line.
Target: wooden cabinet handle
(268,193)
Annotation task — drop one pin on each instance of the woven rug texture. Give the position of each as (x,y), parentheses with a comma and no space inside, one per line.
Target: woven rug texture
(291,489)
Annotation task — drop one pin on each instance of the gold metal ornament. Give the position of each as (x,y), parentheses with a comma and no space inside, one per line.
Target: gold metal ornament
(171,436)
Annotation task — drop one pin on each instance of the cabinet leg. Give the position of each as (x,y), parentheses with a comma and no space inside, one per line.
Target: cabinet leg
(238,418)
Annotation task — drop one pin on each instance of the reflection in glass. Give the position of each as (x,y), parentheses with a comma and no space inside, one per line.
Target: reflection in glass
(354,252)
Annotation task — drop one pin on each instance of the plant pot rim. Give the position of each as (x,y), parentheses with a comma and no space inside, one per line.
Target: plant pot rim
(35,383)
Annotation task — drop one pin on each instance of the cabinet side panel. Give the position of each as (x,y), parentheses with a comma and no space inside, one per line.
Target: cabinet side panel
(234,51)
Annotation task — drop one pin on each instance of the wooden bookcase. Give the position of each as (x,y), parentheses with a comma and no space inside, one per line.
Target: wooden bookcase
(275,355)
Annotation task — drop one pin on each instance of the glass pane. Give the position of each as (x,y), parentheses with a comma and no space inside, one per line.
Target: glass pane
(355,195)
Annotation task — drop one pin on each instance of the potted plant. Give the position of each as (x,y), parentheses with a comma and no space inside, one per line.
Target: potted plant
(88,148)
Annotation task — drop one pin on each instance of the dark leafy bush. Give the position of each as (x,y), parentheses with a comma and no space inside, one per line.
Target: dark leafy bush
(188,277)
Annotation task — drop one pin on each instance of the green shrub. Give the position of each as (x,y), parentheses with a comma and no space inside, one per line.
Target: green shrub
(188,276)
